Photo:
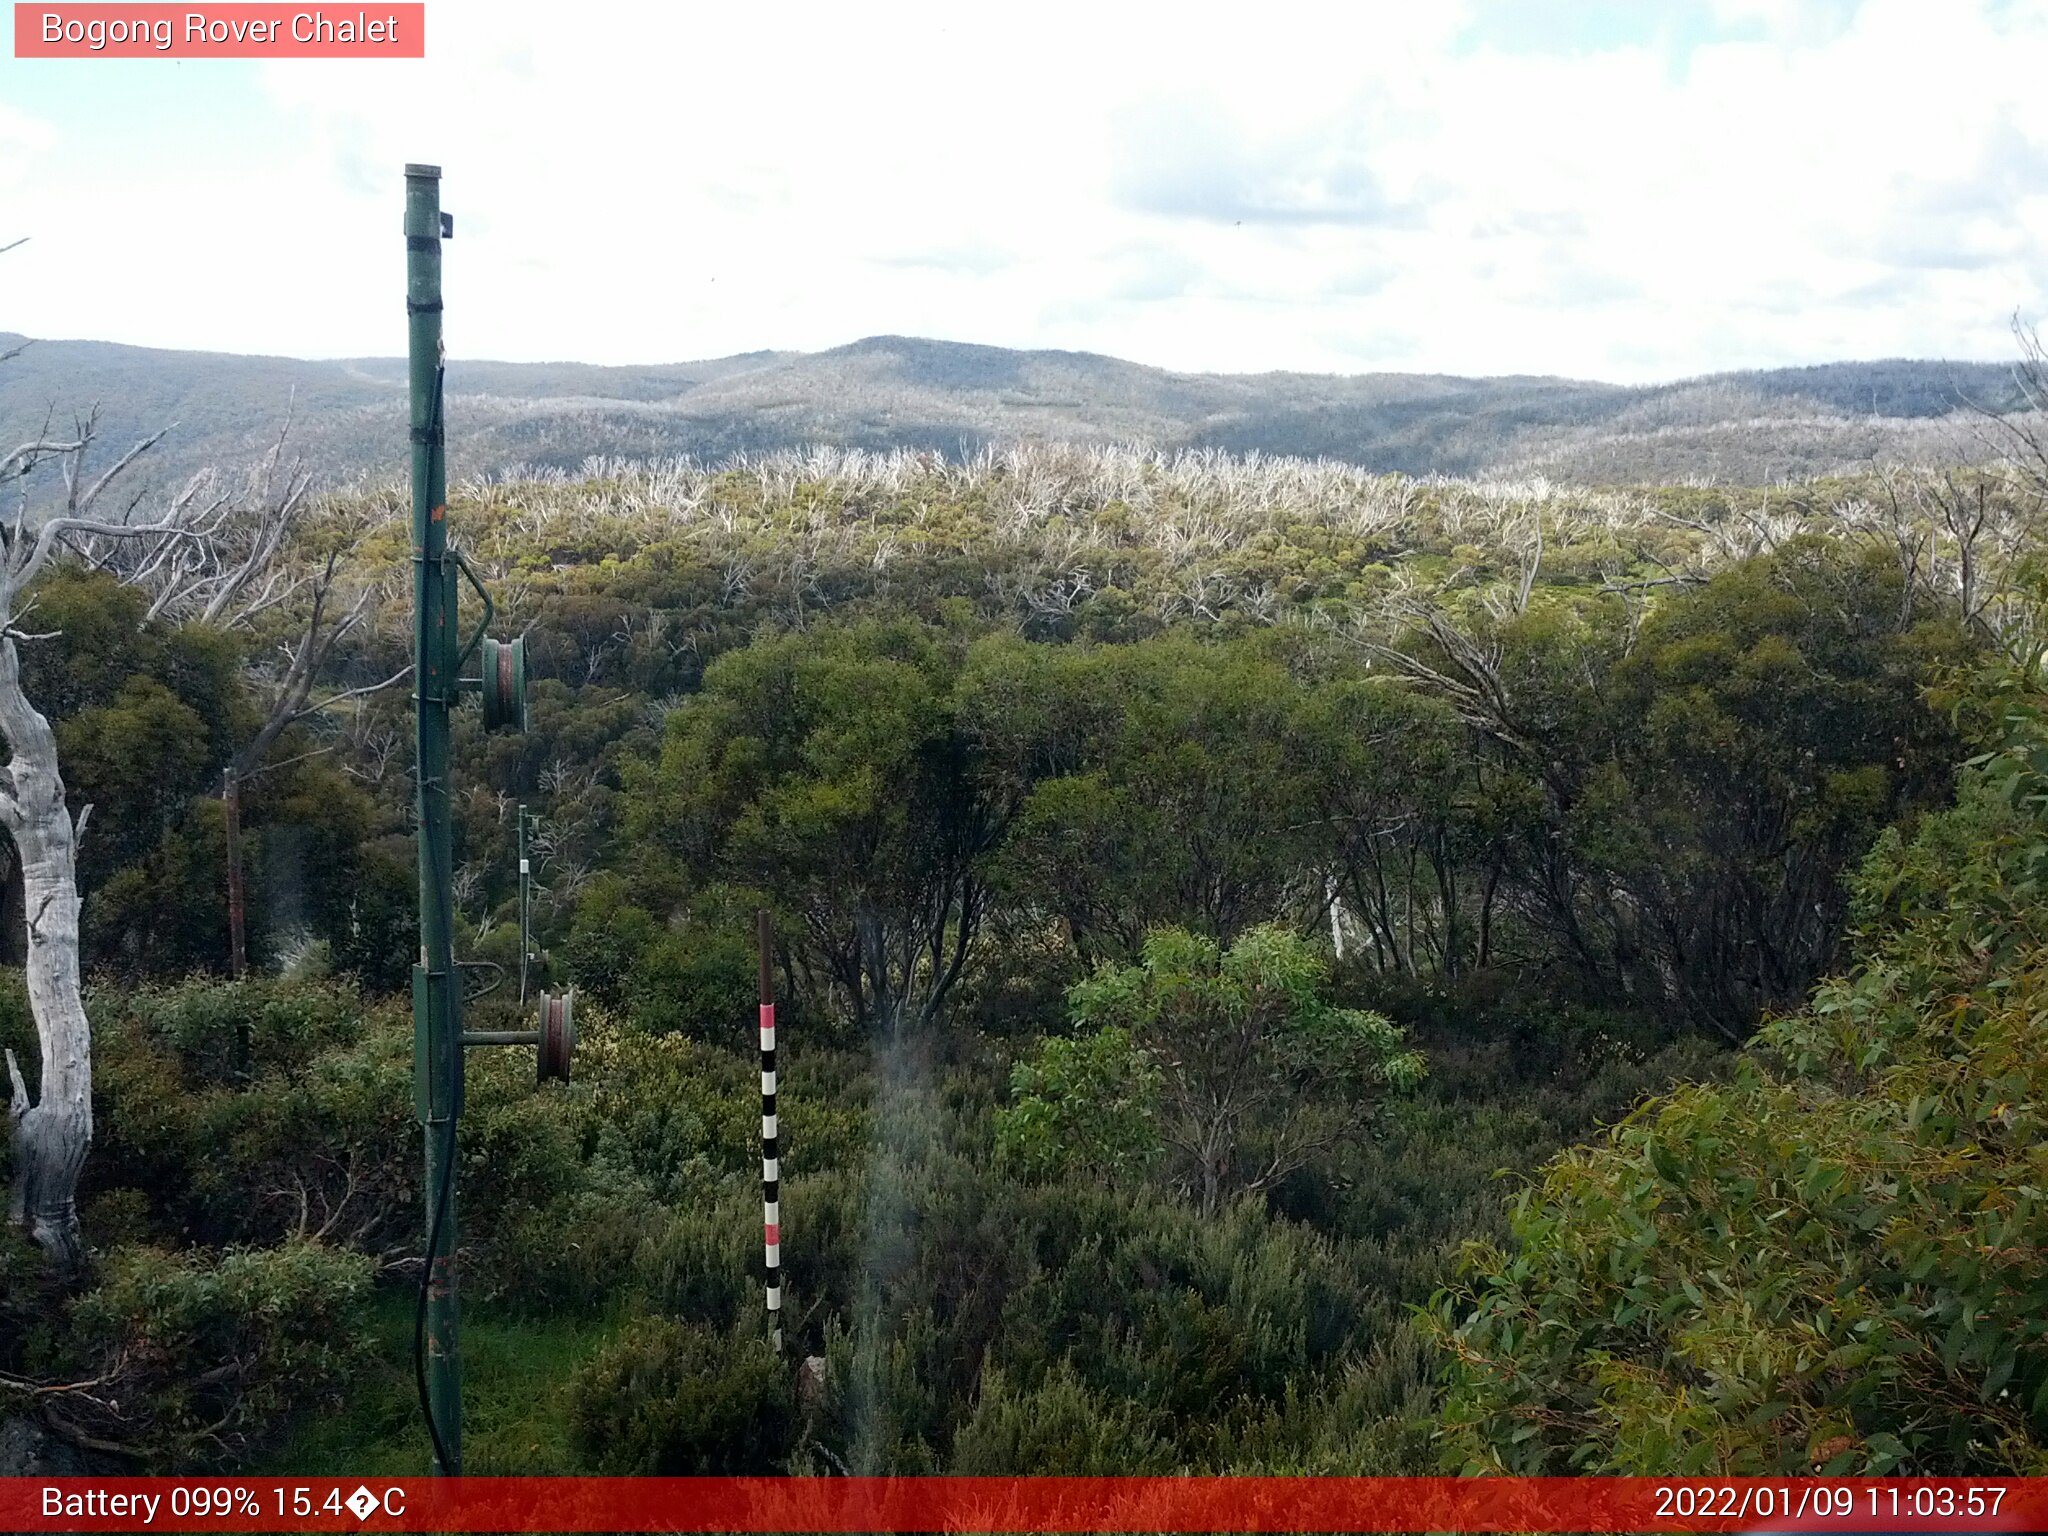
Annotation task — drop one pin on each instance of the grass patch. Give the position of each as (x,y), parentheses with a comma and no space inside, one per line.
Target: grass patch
(515,1377)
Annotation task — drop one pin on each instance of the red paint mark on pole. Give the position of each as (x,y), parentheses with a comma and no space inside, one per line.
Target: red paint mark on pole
(771,1156)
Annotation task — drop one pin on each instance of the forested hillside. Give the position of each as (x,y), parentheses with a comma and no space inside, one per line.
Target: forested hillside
(890,392)
(1195,879)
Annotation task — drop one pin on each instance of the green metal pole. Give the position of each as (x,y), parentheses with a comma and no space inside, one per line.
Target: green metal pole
(525,926)
(436,997)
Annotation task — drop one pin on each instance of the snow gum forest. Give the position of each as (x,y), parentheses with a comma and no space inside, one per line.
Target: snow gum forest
(1281,968)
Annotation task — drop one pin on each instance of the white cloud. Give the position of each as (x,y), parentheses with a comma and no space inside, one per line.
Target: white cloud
(22,137)
(1307,186)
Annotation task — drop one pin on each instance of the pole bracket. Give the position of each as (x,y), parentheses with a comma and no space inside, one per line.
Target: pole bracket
(490,609)
(556,1036)
(496,979)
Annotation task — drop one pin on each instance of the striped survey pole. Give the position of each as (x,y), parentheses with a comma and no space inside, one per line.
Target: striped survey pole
(771,1169)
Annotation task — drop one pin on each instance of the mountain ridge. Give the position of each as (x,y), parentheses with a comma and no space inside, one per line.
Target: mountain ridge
(893,391)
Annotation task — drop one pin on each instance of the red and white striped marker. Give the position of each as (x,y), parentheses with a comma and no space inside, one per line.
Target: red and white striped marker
(771,1162)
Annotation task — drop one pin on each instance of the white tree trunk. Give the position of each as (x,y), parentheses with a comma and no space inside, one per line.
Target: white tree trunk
(51,1134)
(199,558)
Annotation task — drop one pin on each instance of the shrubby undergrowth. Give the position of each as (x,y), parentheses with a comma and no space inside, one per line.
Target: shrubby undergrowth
(1830,1261)
(1126,826)
(969,1316)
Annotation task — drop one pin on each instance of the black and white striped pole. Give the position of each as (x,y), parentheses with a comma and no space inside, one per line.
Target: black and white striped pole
(525,922)
(771,1163)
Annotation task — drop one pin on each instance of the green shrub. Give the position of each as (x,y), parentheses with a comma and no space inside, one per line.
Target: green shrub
(701,982)
(683,1115)
(1057,1429)
(208,1352)
(1085,1105)
(932,1272)
(606,940)
(575,1255)
(678,1399)
(376,933)
(1833,1260)
(25,1288)
(326,1147)
(708,1262)
(216,1029)
(672,1111)
(1256,1071)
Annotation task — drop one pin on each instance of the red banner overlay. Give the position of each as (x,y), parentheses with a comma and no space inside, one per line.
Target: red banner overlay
(1061,1504)
(378,29)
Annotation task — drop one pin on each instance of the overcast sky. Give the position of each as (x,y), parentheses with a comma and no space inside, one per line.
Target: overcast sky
(1633,190)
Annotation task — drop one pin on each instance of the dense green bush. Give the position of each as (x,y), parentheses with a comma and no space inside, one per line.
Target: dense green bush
(1057,1429)
(1084,1106)
(695,975)
(938,1272)
(25,1292)
(573,1255)
(1232,1058)
(706,1263)
(674,1399)
(1831,1261)
(318,1140)
(607,939)
(374,933)
(206,1351)
(219,1031)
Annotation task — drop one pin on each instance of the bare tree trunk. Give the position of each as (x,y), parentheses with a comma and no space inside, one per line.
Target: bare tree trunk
(881,1008)
(1212,1183)
(1408,920)
(1486,918)
(197,566)
(231,801)
(52,1134)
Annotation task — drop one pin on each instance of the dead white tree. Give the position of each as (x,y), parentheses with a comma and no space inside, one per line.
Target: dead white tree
(53,1129)
(210,555)
(2020,436)
(1959,535)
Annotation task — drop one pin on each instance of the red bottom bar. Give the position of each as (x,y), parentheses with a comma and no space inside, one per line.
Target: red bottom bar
(1260,1504)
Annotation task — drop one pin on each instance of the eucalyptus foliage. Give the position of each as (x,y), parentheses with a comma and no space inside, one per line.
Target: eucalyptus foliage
(1233,1058)
(1833,1261)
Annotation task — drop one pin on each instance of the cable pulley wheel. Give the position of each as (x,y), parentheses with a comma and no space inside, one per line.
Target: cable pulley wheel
(504,684)
(557,1035)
